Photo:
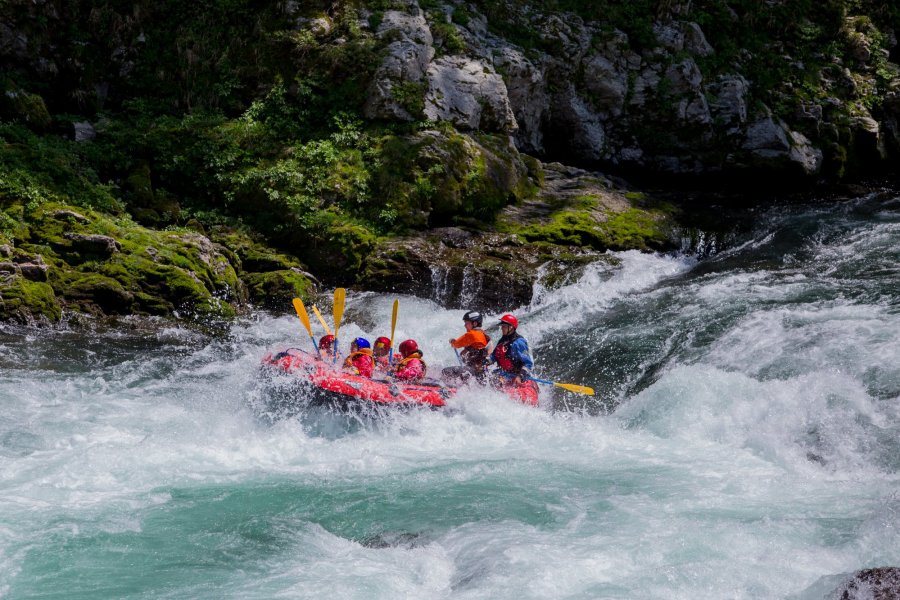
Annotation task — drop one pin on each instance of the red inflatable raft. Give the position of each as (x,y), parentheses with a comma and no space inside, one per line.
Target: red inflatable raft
(328,384)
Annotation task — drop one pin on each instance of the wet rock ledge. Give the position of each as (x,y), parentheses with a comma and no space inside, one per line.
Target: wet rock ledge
(882,583)
(66,262)
(62,262)
(547,240)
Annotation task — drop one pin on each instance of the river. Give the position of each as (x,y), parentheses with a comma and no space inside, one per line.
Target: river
(744,442)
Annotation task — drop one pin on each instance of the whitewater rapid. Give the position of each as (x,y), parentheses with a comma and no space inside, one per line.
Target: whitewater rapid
(743,444)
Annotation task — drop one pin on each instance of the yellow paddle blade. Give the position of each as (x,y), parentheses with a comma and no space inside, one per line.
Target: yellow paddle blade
(394,320)
(321,320)
(339,296)
(578,389)
(301,312)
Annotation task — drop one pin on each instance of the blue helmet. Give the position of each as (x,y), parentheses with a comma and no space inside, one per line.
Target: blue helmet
(362,343)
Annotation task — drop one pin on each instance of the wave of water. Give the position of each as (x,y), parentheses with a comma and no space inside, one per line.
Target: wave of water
(744,444)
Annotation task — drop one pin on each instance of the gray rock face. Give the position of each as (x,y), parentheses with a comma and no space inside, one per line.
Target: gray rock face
(607,84)
(685,78)
(406,61)
(469,94)
(527,94)
(730,105)
(575,120)
(890,124)
(590,94)
(771,141)
(84,131)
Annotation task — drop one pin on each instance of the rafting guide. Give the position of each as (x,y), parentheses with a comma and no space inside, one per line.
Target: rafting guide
(512,355)
(471,350)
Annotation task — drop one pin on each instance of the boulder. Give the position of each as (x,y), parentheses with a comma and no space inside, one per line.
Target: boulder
(468,93)
(93,243)
(774,145)
(882,583)
(84,131)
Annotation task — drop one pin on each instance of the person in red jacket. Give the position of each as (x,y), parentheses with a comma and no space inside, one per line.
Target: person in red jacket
(512,355)
(382,351)
(360,360)
(411,366)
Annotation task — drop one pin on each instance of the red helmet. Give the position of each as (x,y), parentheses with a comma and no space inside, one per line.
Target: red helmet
(408,347)
(510,320)
(326,341)
(383,342)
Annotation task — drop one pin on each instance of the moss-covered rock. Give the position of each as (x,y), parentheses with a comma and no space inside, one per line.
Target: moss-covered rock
(468,269)
(26,107)
(576,208)
(439,177)
(27,301)
(275,289)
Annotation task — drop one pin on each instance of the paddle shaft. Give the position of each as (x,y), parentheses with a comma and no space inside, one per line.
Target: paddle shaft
(321,320)
(393,328)
(578,389)
(339,296)
(304,318)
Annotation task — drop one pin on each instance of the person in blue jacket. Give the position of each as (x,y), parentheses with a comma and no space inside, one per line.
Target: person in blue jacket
(512,356)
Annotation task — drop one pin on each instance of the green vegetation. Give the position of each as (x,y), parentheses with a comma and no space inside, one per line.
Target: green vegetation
(583,224)
(231,152)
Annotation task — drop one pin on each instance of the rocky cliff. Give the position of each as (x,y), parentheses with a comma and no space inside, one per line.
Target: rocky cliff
(395,144)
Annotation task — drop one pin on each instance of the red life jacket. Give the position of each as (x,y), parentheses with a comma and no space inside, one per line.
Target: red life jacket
(411,368)
(362,361)
(502,354)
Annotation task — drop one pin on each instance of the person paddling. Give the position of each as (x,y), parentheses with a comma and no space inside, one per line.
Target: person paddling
(473,346)
(381,352)
(512,355)
(326,346)
(360,360)
(411,366)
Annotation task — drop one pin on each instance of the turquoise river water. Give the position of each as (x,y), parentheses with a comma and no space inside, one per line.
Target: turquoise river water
(744,443)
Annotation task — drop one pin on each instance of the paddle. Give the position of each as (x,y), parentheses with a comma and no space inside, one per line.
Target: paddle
(304,318)
(321,320)
(393,327)
(339,297)
(578,389)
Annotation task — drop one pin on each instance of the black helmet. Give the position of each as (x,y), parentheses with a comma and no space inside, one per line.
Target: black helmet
(474,316)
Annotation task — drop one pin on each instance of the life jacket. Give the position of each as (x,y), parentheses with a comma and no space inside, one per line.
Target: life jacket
(382,363)
(362,361)
(475,355)
(405,369)
(503,356)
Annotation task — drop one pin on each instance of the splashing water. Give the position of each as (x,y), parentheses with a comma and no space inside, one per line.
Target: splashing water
(743,444)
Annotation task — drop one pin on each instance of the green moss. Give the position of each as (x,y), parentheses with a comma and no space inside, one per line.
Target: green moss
(276,289)
(93,289)
(636,228)
(446,37)
(25,107)
(22,300)
(535,170)
(411,96)
(568,228)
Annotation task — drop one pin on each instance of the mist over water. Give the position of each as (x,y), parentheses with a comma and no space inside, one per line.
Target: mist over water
(744,443)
